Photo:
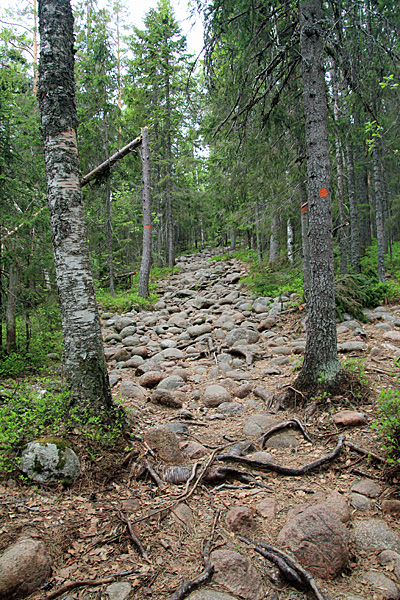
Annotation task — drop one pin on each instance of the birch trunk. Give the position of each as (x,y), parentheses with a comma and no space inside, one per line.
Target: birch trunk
(273,240)
(86,370)
(321,357)
(290,241)
(146,202)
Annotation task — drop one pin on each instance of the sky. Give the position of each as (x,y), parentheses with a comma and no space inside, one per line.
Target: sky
(191,27)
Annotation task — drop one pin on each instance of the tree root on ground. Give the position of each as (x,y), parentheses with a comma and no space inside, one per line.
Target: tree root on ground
(285,425)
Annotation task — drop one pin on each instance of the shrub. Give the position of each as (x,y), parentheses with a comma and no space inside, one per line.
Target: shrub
(388,424)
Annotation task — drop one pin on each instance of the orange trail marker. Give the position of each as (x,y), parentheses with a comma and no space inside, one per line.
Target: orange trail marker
(323,192)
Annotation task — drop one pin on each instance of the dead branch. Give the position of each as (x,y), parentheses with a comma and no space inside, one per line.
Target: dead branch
(90,582)
(360,450)
(153,474)
(284,470)
(285,425)
(106,165)
(289,568)
(132,534)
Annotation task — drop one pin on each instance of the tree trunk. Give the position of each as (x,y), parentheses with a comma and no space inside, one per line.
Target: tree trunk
(11,323)
(86,370)
(290,241)
(233,239)
(364,211)
(146,248)
(258,234)
(354,232)
(379,203)
(321,358)
(170,205)
(274,241)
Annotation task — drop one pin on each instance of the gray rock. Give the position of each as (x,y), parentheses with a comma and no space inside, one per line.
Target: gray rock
(210,595)
(374,534)
(171,383)
(214,395)
(114,378)
(131,340)
(119,590)
(231,408)
(202,302)
(24,567)
(283,440)
(134,361)
(258,424)
(121,322)
(250,336)
(351,346)
(126,331)
(178,428)
(280,360)
(50,459)
(130,389)
(168,354)
(388,557)
(197,330)
(360,502)
(383,327)
(385,586)
(167,344)
(166,398)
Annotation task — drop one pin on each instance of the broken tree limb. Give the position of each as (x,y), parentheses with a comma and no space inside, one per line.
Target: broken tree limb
(107,164)
(132,534)
(284,470)
(364,452)
(90,582)
(289,568)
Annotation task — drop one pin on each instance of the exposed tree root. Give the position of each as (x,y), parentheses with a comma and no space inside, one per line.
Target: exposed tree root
(285,425)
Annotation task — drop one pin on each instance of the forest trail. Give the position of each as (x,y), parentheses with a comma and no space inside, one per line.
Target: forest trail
(197,376)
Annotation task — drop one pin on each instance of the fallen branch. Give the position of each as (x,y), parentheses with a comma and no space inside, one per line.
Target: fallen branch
(132,534)
(285,425)
(284,470)
(90,582)
(289,568)
(360,450)
(106,165)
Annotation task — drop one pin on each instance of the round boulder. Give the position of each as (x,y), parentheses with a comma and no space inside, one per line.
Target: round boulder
(50,459)
(214,395)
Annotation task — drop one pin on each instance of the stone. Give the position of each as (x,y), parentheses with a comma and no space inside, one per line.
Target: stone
(134,362)
(319,541)
(119,590)
(24,567)
(239,518)
(349,418)
(50,459)
(385,586)
(266,324)
(172,382)
(151,379)
(257,424)
(281,350)
(360,502)
(178,428)
(183,515)
(130,389)
(351,346)
(250,336)
(165,398)
(264,457)
(165,443)
(114,378)
(202,302)
(383,326)
(231,408)
(196,330)
(168,344)
(266,508)
(391,558)
(131,341)
(282,440)
(338,505)
(243,390)
(168,354)
(206,594)
(375,534)
(237,574)
(121,355)
(140,351)
(391,507)
(394,335)
(121,322)
(214,395)
(126,331)
(366,487)
(194,450)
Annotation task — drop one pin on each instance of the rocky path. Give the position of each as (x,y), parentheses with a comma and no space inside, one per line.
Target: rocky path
(197,377)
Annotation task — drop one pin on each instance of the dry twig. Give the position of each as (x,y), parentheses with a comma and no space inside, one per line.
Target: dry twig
(90,582)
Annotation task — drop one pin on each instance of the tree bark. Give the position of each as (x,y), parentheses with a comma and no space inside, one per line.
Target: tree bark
(86,370)
(290,241)
(379,203)
(274,241)
(354,231)
(11,323)
(147,237)
(321,357)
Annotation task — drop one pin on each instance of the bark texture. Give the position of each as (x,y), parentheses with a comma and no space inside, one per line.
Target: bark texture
(321,357)
(84,357)
(146,248)
(354,231)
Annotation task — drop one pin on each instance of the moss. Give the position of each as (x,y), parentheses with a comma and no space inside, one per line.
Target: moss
(61,446)
(37,467)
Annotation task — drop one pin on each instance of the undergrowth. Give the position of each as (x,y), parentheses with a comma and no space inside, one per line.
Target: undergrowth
(28,412)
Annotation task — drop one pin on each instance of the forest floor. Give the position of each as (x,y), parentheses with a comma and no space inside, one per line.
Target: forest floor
(90,528)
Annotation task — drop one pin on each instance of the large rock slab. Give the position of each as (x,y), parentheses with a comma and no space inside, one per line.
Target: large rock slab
(50,459)
(319,541)
(24,567)
(237,574)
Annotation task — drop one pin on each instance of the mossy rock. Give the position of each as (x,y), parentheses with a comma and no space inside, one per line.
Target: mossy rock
(50,459)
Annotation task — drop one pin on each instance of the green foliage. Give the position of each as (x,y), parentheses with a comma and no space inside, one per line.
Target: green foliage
(388,424)
(28,412)
(245,255)
(266,280)
(355,291)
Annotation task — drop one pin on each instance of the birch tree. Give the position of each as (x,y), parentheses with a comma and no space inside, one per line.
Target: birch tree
(86,368)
